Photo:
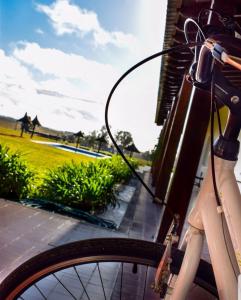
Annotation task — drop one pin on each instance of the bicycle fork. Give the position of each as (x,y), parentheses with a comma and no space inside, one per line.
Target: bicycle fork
(180,285)
(207,217)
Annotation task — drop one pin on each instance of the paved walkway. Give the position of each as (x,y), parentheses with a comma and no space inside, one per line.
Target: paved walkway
(26,231)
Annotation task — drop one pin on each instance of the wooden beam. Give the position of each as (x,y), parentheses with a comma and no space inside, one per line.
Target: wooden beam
(188,56)
(190,151)
(173,140)
(183,178)
(158,154)
(163,142)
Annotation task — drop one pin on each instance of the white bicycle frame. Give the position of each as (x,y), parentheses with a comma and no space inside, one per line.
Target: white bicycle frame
(206,218)
(220,224)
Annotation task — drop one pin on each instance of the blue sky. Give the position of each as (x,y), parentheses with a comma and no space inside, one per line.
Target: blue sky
(60,58)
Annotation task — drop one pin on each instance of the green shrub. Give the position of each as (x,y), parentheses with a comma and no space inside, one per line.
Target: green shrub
(15,177)
(119,168)
(84,186)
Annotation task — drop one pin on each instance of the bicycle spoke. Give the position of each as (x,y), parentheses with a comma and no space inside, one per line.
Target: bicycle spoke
(121,280)
(86,254)
(101,280)
(41,293)
(64,287)
(144,292)
(81,283)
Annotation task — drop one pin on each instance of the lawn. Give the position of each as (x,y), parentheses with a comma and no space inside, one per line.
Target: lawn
(40,157)
(86,186)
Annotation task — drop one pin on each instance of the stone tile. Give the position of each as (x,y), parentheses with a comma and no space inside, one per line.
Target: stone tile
(26,231)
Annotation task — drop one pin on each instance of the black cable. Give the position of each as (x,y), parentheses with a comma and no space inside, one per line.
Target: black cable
(219,119)
(226,244)
(179,47)
(213,104)
(212,144)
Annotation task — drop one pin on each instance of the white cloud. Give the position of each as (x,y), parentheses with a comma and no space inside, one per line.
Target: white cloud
(75,78)
(13,73)
(19,92)
(39,31)
(66,79)
(58,101)
(67,18)
(68,68)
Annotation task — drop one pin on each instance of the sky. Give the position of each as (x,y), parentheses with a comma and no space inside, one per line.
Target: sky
(60,58)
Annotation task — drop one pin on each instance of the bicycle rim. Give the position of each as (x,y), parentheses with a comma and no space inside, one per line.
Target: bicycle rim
(122,256)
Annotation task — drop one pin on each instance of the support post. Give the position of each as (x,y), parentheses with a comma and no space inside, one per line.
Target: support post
(184,175)
(173,140)
(180,190)
(162,142)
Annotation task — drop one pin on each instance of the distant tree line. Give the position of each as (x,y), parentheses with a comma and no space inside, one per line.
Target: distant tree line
(97,139)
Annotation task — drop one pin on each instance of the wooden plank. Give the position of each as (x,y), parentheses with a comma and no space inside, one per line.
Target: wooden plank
(163,141)
(198,118)
(173,140)
(157,157)
(190,151)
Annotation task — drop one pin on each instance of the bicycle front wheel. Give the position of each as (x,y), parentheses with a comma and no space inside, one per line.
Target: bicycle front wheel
(105,268)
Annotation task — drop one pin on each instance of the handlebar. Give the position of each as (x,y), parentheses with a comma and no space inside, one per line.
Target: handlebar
(216,51)
(220,48)
(225,49)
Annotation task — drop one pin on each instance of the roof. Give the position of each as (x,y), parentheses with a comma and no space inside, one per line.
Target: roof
(174,65)
(79,134)
(25,119)
(132,148)
(36,121)
(102,139)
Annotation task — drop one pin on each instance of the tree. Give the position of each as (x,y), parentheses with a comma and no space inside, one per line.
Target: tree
(35,123)
(148,155)
(124,138)
(104,133)
(90,139)
(25,123)
(132,148)
(79,135)
(101,139)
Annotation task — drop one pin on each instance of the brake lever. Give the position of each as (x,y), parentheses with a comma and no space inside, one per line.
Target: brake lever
(219,52)
(208,73)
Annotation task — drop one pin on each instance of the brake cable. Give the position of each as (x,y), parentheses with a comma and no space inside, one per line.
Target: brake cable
(214,181)
(169,50)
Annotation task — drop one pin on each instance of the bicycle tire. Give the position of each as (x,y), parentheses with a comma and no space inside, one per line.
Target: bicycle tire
(97,250)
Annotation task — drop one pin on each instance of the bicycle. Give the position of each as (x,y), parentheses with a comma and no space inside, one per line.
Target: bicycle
(217,212)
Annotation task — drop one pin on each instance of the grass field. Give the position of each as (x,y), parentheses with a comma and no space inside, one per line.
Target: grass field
(39,157)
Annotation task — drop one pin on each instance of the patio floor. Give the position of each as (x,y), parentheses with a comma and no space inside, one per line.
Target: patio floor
(26,231)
